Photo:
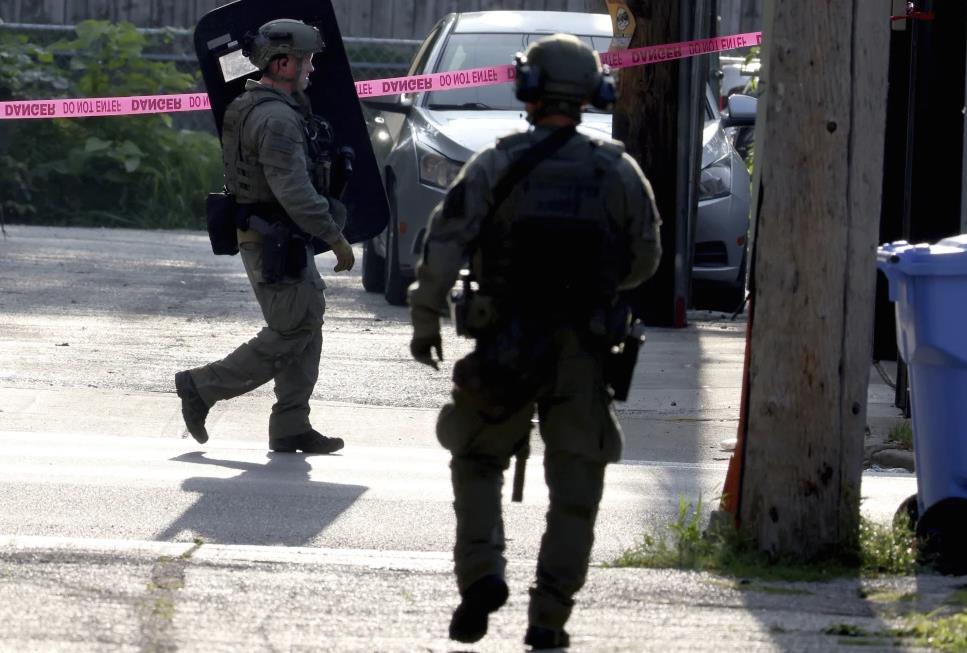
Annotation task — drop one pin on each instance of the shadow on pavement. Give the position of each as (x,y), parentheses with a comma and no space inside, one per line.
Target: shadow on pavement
(271,504)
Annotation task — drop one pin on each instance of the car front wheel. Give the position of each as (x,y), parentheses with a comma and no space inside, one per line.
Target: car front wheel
(733,298)
(396,282)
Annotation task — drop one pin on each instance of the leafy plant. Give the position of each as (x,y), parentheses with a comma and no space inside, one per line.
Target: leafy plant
(887,549)
(137,171)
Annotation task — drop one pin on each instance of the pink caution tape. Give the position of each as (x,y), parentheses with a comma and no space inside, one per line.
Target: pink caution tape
(503,74)
(683,50)
(127,106)
(105,106)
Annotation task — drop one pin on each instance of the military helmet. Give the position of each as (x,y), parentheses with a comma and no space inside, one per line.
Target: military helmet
(562,70)
(281,37)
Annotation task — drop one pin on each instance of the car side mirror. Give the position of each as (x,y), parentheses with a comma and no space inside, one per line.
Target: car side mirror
(392,103)
(742,110)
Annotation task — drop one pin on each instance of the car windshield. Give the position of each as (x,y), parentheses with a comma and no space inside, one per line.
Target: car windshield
(464,51)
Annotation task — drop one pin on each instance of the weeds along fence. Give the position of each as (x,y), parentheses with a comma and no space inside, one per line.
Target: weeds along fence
(370,58)
(149,171)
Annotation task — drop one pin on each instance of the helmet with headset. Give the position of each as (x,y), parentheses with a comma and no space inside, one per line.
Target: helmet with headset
(564,73)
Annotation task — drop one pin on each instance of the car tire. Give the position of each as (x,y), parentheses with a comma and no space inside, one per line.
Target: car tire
(721,296)
(733,297)
(396,284)
(374,269)
(908,514)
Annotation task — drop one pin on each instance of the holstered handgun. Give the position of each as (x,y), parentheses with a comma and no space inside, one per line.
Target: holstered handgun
(473,314)
(283,253)
(619,366)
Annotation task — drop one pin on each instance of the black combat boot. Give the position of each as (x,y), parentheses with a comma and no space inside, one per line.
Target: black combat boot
(193,408)
(540,638)
(469,621)
(308,442)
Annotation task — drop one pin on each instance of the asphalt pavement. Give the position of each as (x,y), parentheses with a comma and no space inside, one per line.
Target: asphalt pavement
(118,534)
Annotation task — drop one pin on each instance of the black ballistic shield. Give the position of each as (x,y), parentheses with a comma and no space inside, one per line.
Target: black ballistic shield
(332,92)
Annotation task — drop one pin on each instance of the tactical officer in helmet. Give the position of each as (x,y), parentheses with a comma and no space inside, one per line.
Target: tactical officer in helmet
(554,224)
(268,137)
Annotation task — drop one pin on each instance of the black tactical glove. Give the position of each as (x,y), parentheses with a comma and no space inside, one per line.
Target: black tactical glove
(421,347)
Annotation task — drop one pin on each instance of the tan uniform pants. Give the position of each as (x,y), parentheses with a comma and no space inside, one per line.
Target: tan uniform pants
(287,350)
(581,435)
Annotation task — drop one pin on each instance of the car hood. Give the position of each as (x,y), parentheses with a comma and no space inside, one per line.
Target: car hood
(459,134)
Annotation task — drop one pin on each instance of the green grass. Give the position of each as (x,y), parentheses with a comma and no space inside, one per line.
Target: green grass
(902,435)
(938,630)
(684,545)
(946,633)
(882,550)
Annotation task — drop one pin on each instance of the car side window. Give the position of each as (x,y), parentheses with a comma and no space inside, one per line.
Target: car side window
(421,56)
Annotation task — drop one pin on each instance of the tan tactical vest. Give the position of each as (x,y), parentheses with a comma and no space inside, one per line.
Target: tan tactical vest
(243,173)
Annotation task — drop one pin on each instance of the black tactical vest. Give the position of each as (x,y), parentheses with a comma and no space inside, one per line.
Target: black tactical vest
(551,250)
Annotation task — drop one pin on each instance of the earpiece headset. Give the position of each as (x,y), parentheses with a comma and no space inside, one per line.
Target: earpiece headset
(529,84)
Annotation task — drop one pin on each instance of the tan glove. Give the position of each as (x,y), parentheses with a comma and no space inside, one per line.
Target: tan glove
(345,259)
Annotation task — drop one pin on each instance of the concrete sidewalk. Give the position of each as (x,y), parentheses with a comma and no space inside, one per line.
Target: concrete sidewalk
(104,595)
(151,596)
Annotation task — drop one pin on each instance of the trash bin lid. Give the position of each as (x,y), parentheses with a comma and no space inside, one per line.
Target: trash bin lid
(947,257)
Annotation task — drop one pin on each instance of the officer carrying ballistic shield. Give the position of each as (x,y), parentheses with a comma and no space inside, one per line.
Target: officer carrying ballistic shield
(554,223)
(278,181)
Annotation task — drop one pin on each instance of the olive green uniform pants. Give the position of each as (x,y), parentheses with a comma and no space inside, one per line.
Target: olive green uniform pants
(287,350)
(581,435)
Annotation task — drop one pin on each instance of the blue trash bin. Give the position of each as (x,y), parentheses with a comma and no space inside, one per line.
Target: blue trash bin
(928,284)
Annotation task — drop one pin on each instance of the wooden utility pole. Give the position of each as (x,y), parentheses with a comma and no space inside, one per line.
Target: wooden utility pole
(819,159)
(659,118)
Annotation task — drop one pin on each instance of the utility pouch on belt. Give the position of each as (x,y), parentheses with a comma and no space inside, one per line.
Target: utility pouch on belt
(221,210)
(619,366)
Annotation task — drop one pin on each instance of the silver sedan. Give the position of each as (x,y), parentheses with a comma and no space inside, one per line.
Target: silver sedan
(422,140)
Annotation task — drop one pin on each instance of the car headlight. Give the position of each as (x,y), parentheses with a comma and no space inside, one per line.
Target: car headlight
(436,170)
(716,180)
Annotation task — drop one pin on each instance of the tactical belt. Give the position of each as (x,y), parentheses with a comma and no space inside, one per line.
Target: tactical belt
(265,210)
